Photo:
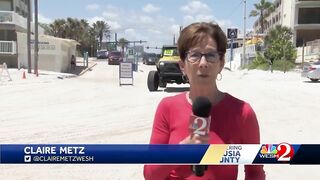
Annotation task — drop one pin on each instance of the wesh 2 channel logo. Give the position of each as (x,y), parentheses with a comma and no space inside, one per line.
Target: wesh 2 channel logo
(283,152)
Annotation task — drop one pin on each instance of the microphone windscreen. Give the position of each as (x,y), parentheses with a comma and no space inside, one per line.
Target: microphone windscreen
(201,106)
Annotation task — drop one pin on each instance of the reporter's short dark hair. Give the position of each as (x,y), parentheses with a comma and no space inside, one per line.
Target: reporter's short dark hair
(196,33)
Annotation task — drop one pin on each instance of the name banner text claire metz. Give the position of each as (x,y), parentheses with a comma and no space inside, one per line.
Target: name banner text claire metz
(211,154)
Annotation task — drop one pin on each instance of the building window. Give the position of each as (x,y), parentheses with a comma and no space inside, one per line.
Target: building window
(6,5)
(309,16)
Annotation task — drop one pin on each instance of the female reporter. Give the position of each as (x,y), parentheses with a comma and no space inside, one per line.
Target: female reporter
(202,48)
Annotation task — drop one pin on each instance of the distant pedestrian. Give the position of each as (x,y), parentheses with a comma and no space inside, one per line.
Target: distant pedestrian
(73,62)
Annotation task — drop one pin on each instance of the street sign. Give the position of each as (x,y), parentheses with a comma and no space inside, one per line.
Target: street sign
(125,73)
(232,33)
(130,55)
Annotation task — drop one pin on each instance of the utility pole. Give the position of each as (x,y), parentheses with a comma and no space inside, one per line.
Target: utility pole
(244,32)
(302,58)
(29,36)
(174,39)
(36,38)
(116,39)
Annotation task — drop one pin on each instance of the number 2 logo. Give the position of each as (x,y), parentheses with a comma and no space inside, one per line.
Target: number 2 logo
(202,129)
(285,152)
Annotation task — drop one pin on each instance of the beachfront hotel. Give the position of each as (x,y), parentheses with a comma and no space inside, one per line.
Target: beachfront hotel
(13,19)
(302,16)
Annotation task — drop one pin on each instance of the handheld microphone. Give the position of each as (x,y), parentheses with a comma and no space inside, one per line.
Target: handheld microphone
(200,124)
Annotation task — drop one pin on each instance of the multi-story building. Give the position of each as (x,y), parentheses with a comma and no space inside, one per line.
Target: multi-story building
(302,16)
(13,19)
(54,53)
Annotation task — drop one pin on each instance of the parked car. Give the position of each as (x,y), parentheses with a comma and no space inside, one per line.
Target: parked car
(102,54)
(150,58)
(311,71)
(115,57)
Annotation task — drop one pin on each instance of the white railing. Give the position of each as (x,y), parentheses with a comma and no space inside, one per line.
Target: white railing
(6,17)
(8,47)
(311,51)
(250,51)
(13,18)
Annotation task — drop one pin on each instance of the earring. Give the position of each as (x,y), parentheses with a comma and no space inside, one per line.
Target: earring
(185,78)
(219,77)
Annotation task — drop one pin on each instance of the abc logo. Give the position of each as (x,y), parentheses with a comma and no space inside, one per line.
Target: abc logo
(285,152)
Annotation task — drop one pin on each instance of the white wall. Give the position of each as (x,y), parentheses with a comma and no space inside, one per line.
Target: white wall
(54,53)
(288,13)
(237,56)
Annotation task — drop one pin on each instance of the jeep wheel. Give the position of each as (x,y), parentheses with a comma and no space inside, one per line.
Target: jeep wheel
(153,80)
(162,84)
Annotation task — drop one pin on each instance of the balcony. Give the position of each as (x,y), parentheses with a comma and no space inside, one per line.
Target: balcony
(8,47)
(307,3)
(10,17)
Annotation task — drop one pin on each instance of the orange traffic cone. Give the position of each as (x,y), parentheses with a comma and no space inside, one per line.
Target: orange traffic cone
(24,75)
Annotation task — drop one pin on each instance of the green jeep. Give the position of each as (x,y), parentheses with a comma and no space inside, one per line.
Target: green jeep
(168,70)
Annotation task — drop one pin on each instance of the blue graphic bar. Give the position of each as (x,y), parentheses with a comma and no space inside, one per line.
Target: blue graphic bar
(282,153)
(107,154)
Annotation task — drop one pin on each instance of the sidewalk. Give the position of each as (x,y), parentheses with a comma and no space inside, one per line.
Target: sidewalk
(80,68)
(17,75)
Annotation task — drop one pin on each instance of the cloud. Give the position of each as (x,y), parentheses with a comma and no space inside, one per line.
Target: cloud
(136,25)
(130,31)
(172,20)
(149,8)
(110,15)
(197,11)
(92,7)
(224,24)
(174,29)
(195,7)
(188,19)
(115,25)
(146,20)
(156,29)
(44,19)
(95,19)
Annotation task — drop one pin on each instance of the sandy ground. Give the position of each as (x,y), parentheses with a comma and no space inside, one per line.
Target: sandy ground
(93,108)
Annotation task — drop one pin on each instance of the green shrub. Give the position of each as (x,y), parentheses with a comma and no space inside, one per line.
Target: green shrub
(258,63)
(283,65)
(264,66)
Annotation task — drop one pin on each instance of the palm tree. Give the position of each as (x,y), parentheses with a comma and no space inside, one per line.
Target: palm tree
(102,29)
(83,32)
(47,29)
(261,10)
(71,27)
(271,10)
(58,28)
(87,36)
(123,43)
